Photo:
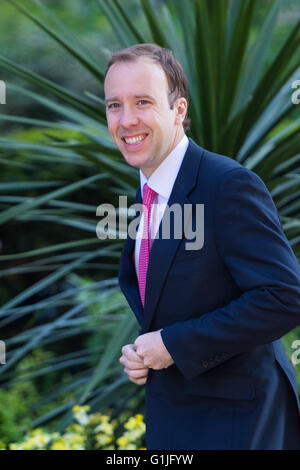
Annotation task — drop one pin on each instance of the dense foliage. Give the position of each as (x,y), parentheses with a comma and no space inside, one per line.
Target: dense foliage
(59,164)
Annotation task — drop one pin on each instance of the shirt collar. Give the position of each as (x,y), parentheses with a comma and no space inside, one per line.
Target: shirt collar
(163,178)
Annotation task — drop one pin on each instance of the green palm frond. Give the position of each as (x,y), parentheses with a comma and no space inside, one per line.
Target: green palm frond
(240,105)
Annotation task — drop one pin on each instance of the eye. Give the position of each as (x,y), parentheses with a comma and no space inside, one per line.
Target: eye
(113,105)
(144,101)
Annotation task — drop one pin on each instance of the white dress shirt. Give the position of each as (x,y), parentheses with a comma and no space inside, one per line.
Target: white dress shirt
(162,181)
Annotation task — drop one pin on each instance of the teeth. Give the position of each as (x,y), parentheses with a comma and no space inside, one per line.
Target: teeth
(134,140)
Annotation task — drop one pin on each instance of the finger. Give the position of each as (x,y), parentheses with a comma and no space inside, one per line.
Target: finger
(136,374)
(129,351)
(131,364)
(134,354)
(140,381)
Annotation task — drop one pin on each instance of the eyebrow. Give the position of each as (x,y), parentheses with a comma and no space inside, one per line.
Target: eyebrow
(115,98)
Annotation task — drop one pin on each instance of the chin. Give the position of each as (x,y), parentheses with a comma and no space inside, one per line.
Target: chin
(136,160)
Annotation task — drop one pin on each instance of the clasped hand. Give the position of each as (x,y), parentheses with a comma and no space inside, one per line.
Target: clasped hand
(148,351)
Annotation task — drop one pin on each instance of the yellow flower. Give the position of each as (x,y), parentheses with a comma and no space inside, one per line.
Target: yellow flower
(59,446)
(35,432)
(29,445)
(122,441)
(42,439)
(104,419)
(75,427)
(81,417)
(134,422)
(139,419)
(77,408)
(13,446)
(102,439)
(128,447)
(109,448)
(74,438)
(131,423)
(106,428)
(56,446)
(95,418)
(76,435)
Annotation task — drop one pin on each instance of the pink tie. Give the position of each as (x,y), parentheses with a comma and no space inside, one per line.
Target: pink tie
(148,198)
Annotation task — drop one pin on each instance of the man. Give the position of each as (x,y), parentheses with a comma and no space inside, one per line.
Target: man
(209,353)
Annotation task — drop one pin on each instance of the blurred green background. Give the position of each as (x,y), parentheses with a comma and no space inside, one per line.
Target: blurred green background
(62,315)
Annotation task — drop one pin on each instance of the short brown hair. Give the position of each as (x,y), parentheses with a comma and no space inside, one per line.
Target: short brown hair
(176,77)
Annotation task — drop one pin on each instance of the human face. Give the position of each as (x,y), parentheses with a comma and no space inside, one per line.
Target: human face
(139,117)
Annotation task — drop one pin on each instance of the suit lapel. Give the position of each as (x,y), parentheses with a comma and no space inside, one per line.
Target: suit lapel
(163,250)
(127,274)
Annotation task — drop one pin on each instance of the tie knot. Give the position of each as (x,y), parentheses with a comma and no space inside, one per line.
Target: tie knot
(148,195)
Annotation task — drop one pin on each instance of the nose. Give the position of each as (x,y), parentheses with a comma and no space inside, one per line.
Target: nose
(128,117)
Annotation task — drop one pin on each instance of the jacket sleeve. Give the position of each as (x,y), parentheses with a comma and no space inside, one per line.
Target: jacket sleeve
(251,242)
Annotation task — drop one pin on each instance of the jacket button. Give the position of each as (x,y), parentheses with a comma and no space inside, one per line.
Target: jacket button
(205,364)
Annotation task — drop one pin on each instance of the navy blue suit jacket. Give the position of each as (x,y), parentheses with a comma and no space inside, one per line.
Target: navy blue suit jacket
(222,309)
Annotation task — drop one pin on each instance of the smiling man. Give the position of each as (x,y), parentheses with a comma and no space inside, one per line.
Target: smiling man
(208,352)
(140,119)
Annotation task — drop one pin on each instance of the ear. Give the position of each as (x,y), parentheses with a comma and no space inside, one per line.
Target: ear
(181,110)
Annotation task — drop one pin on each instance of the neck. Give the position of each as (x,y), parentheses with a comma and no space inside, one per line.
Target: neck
(178,136)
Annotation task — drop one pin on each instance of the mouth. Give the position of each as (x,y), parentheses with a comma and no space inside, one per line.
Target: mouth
(135,141)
